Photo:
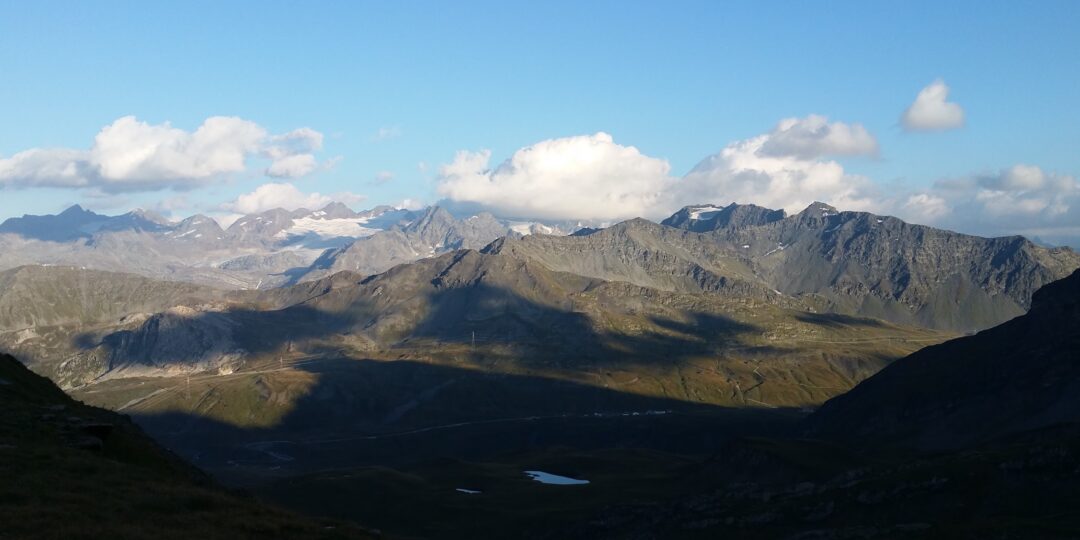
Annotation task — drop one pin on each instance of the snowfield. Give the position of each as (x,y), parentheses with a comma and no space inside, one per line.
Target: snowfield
(328,228)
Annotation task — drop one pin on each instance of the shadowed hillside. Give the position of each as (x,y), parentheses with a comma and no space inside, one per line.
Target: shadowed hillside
(1019,376)
(978,437)
(73,471)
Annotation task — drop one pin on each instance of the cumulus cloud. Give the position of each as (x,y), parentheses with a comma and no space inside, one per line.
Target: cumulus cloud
(287,196)
(592,177)
(931,111)
(925,208)
(130,155)
(783,169)
(1022,199)
(814,136)
(292,154)
(581,177)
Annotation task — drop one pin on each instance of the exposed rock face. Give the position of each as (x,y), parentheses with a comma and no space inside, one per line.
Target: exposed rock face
(883,267)
(1021,375)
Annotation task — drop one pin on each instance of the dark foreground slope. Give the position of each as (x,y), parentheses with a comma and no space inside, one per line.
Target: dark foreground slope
(1019,376)
(72,471)
(976,438)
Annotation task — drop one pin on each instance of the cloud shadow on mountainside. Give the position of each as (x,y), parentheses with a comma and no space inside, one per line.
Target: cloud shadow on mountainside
(479,313)
(368,412)
(494,316)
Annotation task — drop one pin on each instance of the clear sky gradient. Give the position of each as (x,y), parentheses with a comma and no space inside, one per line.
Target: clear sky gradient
(677,80)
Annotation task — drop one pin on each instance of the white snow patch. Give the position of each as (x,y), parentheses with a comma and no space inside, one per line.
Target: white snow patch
(746,246)
(704,212)
(521,228)
(779,247)
(554,479)
(328,228)
(469,491)
(532,227)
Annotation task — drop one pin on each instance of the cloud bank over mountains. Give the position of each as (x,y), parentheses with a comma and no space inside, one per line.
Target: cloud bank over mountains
(590,177)
(593,177)
(287,196)
(131,155)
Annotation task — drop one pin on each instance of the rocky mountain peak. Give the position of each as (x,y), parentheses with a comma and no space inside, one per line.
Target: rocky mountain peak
(337,210)
(75,210)
(707,217)
(821,209)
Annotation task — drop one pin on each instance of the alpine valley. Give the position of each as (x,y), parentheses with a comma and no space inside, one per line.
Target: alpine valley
(732,370)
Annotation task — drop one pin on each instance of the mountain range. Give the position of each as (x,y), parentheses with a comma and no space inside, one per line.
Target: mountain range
(262,250)
(429,353)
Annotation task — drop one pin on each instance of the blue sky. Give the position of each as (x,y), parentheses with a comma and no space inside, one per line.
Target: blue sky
(677,80)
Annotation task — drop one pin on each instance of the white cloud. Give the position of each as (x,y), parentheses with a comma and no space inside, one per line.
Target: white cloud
(925,208)
(386,133)
(292,166)
(410,204)
(130,155)
(931,111)
(780,169)
(292,153)
(287,196)
(1022,199)
(593,178)
(814,136)
(582,177)
(383,177)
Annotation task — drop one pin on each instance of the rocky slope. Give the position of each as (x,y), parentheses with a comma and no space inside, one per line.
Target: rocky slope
(848,262)
(37,296)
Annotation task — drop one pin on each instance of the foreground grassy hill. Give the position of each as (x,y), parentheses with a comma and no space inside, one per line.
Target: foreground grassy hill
(73,471)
